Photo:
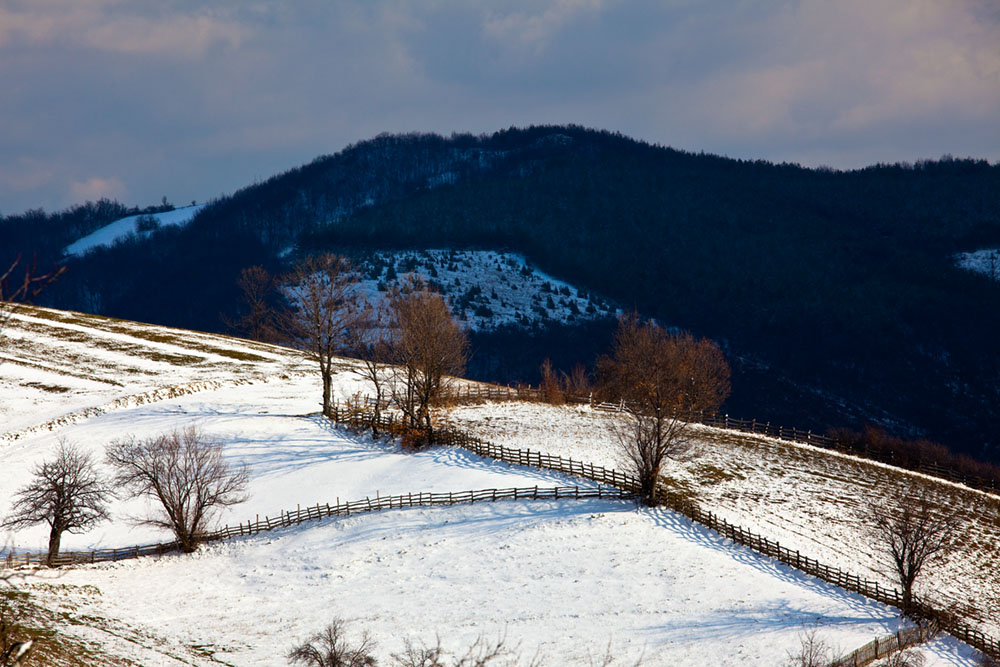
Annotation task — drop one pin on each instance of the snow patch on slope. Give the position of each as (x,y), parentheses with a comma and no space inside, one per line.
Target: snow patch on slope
(486,289)
(132,226)
(985,261)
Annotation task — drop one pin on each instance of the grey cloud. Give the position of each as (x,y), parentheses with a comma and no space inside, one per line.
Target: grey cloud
(191,103)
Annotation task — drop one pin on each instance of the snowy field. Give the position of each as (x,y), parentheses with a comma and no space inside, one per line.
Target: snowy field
(801,496)
(562,580)
(130,226)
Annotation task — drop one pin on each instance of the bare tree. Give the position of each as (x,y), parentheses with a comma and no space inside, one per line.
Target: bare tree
(331,648)
(372,344)
(67,493)
(259,301)
(17,287)
(186,473)
(324,296)
(664,381)
(910,530)
(813,650)
(429,346)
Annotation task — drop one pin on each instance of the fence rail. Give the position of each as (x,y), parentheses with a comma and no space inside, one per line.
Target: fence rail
(320,511)
(882,647)
(932,468)
(738,534)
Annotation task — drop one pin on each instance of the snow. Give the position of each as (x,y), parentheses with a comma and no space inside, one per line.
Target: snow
(985,261)
(562,580)
(486,289)
(125,227)
(804,497)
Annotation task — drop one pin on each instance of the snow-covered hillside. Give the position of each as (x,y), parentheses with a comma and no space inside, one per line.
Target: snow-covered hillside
(562,580)
(133,225)
(485,288)
(806,498)
(985,261)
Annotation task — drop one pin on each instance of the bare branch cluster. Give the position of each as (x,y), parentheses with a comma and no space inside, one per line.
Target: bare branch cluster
(17,287)
(261,302)
(372,342)
(183,470)
(813,650)
(331,648)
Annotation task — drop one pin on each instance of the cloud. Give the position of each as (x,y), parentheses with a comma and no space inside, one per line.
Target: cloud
(534,28)
(191,102)
(845,69)
(95,188)
(113,26)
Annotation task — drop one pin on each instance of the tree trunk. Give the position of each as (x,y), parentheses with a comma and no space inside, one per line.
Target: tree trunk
(327,391)
(55,537)
(907,599)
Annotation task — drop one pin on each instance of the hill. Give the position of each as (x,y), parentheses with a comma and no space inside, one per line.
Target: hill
(836,294)
(564,577)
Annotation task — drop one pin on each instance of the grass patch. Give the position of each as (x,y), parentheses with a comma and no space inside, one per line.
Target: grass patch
(709,474)
(50,388)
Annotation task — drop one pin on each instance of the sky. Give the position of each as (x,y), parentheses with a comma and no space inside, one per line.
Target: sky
(190,100)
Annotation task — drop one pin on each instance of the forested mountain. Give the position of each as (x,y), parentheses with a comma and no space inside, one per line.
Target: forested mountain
(835,293)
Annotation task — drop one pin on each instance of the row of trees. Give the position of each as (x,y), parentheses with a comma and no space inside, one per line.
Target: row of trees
(183,472)
(408,344)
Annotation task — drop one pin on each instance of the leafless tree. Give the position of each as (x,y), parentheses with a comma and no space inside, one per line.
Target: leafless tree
(186,473)
(19,286)
(664,382)
(325,302)
(910,530)
(813,650)
(259,299)
(372,344)
(429,346)
(331,648)
(67,493)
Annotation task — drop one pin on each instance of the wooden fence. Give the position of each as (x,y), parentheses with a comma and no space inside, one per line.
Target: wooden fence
(321,511)
(738,534)
(462,393)
(882,647)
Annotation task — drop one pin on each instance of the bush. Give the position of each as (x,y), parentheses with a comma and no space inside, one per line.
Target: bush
(413,439)
(146,223)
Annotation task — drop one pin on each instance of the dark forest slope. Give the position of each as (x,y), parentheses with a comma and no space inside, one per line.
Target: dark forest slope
(835,291)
